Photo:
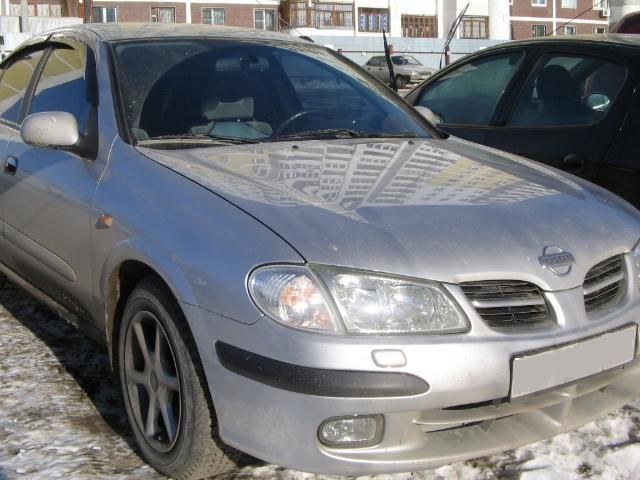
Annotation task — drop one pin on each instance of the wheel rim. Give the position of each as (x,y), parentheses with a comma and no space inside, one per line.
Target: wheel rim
(152,381)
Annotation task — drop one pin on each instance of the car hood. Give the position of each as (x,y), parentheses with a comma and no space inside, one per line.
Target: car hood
(447,210)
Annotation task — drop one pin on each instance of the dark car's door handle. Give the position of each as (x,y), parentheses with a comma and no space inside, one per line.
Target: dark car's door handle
(11,165)
(573,163)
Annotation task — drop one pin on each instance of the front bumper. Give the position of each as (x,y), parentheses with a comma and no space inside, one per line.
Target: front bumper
(464,413)
(418,78)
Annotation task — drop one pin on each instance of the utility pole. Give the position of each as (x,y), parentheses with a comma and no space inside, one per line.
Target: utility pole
(24,16)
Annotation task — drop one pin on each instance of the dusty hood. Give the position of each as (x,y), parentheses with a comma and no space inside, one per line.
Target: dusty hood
(447,210)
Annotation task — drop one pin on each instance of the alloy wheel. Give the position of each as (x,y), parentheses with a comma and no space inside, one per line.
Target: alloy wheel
(152,381)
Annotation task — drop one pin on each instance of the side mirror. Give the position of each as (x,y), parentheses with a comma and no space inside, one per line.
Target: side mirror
(428,114)
(50,129)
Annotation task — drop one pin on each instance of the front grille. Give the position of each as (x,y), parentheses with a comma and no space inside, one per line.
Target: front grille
(508,303)
(603,284)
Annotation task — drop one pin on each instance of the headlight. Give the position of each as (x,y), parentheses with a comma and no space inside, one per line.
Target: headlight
(414,73)
(367,303)
(636,257)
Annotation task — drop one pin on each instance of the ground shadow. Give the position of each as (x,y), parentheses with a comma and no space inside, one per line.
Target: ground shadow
(85,360)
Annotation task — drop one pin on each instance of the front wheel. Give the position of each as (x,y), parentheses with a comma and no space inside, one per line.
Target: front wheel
(401,82)
(163,388)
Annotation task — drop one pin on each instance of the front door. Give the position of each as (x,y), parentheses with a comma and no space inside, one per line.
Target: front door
(48,194)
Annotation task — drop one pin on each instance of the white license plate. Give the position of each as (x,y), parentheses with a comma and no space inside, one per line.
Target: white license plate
(557,366)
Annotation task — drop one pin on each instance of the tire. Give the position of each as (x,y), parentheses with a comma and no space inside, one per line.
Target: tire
(164,389)
(401,82)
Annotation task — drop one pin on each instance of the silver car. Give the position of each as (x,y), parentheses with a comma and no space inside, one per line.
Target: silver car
(407,69)
(285,259)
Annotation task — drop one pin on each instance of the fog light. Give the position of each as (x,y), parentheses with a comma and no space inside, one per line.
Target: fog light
(352,431)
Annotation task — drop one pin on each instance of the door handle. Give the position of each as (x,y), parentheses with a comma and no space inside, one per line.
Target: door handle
(573,163)
(11,165)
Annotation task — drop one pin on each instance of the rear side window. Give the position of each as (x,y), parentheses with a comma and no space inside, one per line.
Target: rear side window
(569,90)
(470,94)
(62,85)
(14,83)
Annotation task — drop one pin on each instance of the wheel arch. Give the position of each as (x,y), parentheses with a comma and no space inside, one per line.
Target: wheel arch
(126,268)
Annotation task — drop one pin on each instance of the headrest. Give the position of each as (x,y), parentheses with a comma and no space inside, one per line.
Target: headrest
(239,110)
(555,84)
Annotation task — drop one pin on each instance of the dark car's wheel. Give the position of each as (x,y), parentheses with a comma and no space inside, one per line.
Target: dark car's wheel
(401,82)
(163,388)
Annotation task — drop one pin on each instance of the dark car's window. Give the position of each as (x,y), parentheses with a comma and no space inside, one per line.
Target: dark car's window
(470,93)
(568,90)
(62,85)
(14,83)
(251,91)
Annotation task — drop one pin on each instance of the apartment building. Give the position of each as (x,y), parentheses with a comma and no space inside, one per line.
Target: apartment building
(400,18)
(484,19)
(539,18)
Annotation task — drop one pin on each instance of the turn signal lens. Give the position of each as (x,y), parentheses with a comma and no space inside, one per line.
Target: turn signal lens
(292,296)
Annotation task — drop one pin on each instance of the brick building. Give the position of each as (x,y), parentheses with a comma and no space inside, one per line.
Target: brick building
(261,14)
(538,18)
(485,19)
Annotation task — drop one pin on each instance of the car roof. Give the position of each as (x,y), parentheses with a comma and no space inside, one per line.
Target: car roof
(597,39)
(111,32)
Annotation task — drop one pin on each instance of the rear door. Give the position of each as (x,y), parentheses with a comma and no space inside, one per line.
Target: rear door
(567,112)
(378,68)
(467,97)
(619,171)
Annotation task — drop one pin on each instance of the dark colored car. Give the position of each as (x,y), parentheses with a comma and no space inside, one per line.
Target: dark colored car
(571,103)
(630,23)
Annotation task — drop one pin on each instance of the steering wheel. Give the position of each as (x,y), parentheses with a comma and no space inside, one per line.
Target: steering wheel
(292,118)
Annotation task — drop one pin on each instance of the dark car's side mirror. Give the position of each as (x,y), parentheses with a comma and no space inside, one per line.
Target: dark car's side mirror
(51,130)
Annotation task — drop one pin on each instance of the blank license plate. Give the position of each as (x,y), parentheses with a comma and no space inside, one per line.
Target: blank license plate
(540,371)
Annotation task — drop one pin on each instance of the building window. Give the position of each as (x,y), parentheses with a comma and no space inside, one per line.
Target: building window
(104,14)
(539,3)
(316,14)
(264,19)
(373,19)
(163,14)
(600,4)
(419,26)
(213,16)
(569,4)
(538,30)
(569,29)
(474,27)
(600,30)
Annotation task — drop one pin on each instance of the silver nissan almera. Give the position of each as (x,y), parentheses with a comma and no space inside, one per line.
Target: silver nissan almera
(285,259)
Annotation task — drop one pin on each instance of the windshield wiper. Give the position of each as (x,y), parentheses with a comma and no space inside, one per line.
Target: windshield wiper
(340,133)
(198,137)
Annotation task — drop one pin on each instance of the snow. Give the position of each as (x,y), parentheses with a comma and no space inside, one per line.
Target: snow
(61,417)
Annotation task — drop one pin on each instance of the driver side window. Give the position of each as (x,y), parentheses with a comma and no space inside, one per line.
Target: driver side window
(62,85)
(470,93)
(14,83)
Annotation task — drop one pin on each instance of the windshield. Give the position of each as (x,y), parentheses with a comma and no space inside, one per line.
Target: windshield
(405,60)
(201,90)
